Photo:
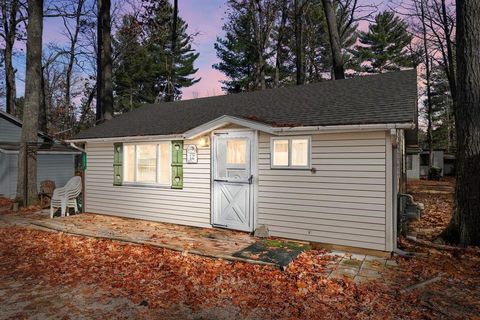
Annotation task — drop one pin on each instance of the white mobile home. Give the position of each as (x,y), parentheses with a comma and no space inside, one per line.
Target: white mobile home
(320,162)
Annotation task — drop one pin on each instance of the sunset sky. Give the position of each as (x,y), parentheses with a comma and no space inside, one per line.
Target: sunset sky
(204,17)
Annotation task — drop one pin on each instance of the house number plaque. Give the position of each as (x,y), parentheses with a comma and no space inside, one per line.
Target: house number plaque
(192,154)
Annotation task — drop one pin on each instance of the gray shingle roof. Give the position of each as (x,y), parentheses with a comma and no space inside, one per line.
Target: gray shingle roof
(375,99)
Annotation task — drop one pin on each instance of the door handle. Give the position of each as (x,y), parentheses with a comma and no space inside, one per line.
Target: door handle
(250,180)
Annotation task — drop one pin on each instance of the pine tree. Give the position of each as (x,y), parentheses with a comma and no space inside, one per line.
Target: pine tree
(157,21)
(236,52)
(443,115)
(384,46)
(143,65)
(238,59)
(134,72)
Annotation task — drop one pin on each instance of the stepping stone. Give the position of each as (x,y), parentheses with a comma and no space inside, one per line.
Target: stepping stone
(369,273)
(391,263)
(361,279)
(378,265)
(356,256)
(351,262)
(343,271)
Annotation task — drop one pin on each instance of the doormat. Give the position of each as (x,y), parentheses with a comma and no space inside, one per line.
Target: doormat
(278,252)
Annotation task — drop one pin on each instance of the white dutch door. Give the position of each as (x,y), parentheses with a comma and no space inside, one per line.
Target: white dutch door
(232,181)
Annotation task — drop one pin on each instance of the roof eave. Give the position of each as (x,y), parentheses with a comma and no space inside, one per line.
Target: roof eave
(225,120)
(19,123)
(128,138)
(343,128)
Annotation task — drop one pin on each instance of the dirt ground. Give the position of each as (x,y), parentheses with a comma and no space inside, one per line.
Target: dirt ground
(50,275)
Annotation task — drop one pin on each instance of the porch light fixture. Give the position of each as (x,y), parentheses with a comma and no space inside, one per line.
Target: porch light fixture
(204,141)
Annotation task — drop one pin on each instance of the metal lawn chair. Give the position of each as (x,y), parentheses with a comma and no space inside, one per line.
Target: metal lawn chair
(66,197)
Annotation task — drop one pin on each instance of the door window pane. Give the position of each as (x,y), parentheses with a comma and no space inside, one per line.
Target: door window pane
(280,152)
(236,151)
(232,157)
(164,168)
(146,163)
(221,159)
(300,152)
(129,163)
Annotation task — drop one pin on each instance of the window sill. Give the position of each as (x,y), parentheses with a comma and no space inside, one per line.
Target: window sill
(291,168)
(150,186)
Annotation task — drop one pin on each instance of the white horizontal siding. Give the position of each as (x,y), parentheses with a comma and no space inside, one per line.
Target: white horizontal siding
(188,206)
(9,132)
(56,167)
(342,203)
(4,175)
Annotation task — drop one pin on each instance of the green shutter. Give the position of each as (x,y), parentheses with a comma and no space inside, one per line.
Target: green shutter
(84,161)
(177,164)
(117,164)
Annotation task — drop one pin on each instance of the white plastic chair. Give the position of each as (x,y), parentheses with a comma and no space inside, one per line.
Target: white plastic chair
(66,197)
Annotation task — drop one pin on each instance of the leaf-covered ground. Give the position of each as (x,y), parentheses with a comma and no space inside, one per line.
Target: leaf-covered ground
(46,275)
(129,281)
(437,196)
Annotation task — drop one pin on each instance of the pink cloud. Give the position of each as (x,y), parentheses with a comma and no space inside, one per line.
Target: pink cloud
(205,19)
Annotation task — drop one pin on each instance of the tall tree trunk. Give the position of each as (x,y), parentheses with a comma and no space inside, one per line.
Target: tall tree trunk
(335,43)
(33,88)
(71,53)
(299,42)
(170,94)
(429,87)
(9,21)
(278,56)
(42,112)
(104,63)
(10,81)
(452,81)
(99,104)
(465,225)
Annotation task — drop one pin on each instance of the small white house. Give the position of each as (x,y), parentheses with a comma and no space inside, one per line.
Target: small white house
(55,161)
(320,162)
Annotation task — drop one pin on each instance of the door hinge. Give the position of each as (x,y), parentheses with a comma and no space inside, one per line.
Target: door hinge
(220,225)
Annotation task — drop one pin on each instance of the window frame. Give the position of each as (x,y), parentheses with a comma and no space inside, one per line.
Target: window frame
(289,166)
(157,171)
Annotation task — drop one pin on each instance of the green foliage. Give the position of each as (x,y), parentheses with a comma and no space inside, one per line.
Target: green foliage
(384,46)
(143,55)
(135,70)
(442,111)
(157,22)
(236,51)
(237,55)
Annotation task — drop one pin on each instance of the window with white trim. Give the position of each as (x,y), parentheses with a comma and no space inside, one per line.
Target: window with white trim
(290,152)
(147,163)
